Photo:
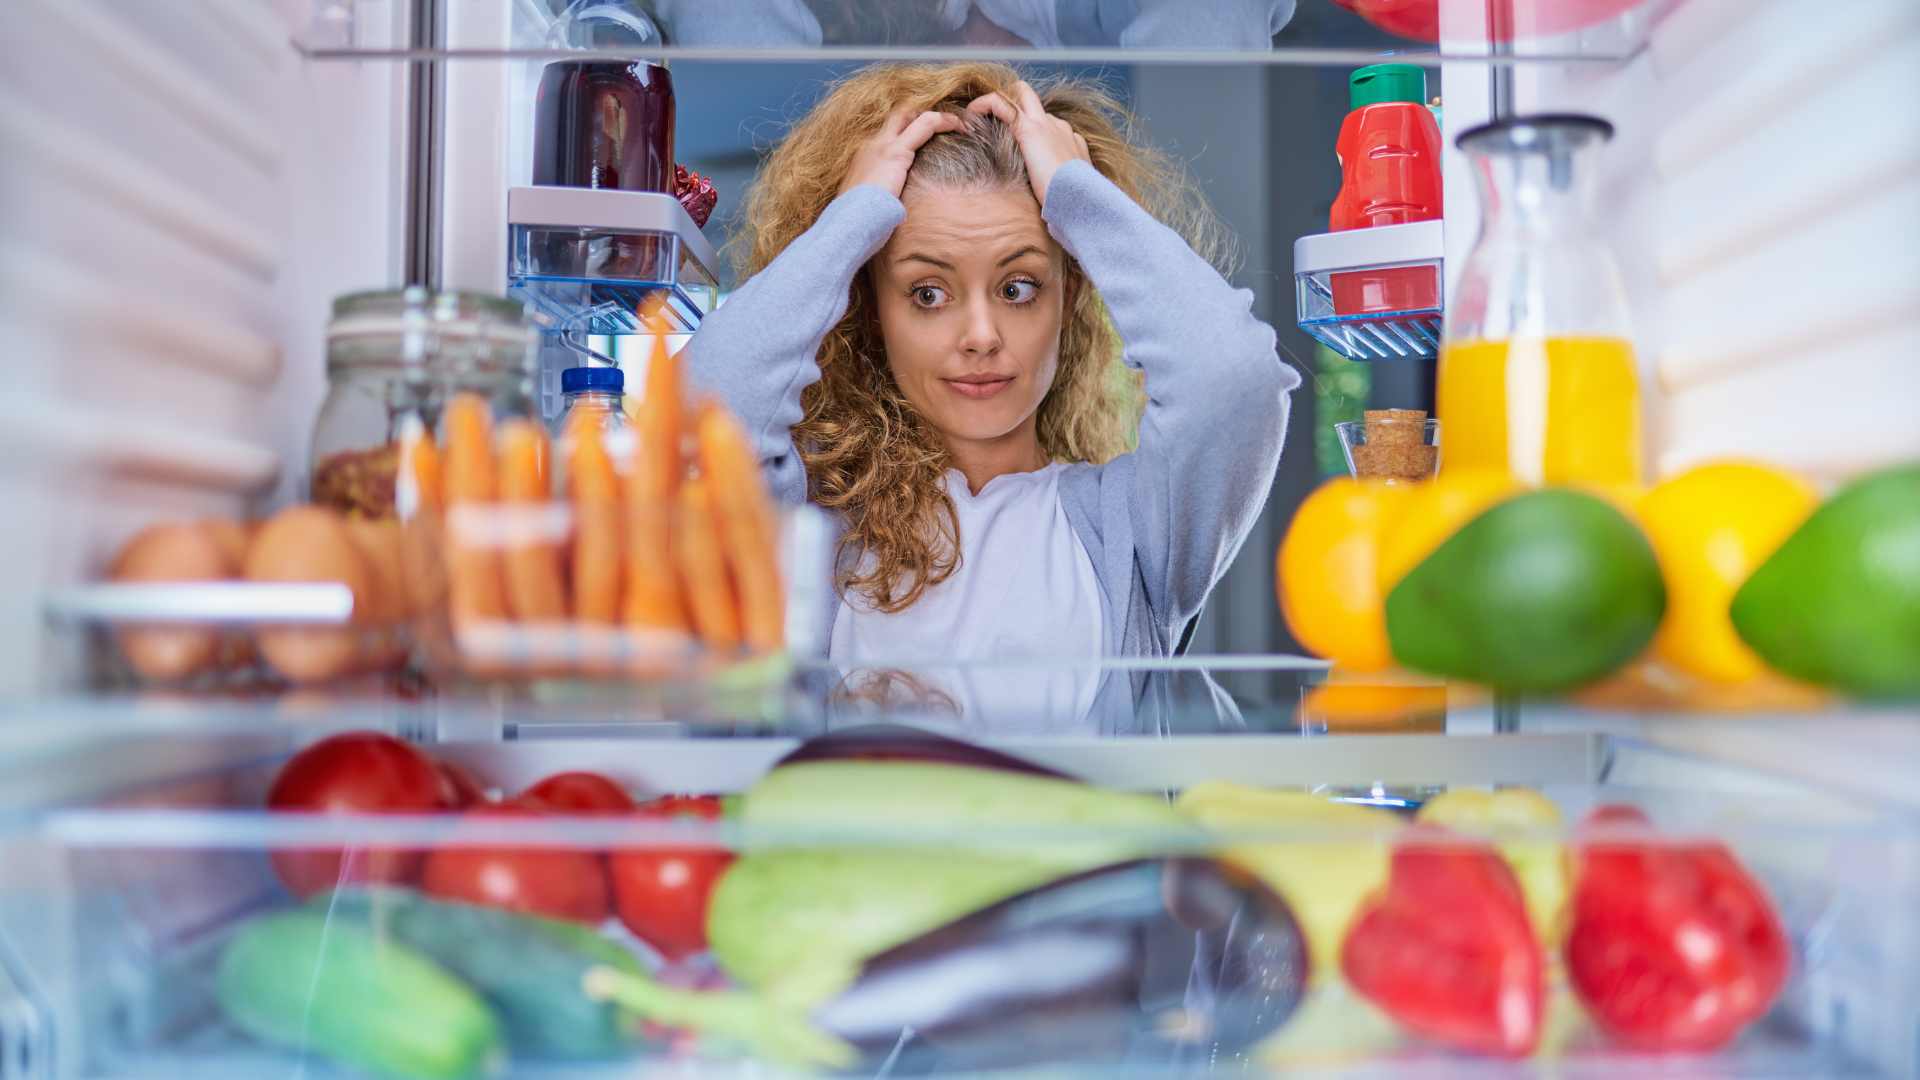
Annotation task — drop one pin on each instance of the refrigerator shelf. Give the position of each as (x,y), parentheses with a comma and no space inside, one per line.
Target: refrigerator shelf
(125,885)
(356,30)
(1373,294)
(588,260)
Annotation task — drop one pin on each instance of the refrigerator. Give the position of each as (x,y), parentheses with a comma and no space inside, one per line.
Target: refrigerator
(185,187)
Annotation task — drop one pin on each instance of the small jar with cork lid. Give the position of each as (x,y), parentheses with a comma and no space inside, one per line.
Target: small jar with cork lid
(1399,446)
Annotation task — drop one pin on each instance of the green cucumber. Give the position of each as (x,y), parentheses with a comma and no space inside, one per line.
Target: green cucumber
(300,980)
(529,968)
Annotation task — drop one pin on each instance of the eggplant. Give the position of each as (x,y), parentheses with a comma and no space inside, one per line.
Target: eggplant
(898,742)
(1163,962)
(1146,962)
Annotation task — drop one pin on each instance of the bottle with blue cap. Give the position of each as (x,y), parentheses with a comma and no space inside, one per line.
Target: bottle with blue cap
(596,390)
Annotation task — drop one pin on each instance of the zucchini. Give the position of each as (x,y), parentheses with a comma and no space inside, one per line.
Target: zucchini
(299,980)
(530,969)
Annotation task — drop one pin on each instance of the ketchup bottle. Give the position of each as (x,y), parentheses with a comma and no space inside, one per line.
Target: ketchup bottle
(1390,175)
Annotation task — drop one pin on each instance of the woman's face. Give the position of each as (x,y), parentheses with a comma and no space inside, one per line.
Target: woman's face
(971,292)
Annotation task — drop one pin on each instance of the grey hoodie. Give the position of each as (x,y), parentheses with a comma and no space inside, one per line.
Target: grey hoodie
(1161,524)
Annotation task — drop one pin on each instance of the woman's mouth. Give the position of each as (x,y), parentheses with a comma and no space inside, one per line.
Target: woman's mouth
(979,386)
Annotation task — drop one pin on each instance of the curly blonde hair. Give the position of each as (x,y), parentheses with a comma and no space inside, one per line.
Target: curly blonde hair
(868,454)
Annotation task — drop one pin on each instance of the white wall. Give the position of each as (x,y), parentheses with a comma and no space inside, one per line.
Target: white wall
(179,197)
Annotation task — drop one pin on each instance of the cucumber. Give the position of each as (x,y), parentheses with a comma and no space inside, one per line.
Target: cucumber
(528,968)
(299,980)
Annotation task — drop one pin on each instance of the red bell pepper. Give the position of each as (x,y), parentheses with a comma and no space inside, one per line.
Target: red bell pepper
(1446,949)
(1672,946)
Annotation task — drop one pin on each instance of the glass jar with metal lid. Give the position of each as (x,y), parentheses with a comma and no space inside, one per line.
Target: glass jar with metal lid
(395,358)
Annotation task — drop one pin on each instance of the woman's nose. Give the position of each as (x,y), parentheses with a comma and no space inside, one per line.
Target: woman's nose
(981,336)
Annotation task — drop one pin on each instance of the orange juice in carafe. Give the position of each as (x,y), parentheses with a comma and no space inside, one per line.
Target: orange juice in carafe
(1553,410)
(1537,377)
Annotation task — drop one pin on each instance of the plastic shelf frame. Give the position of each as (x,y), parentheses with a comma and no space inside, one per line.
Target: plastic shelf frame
(587,259)
(1373,294)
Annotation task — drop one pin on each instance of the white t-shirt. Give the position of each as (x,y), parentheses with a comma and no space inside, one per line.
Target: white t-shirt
(1025,589)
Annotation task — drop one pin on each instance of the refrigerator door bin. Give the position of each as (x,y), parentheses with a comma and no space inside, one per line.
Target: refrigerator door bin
(1373,294)
(588,259)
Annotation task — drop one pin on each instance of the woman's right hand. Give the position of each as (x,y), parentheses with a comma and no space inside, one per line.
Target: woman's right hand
(884,159)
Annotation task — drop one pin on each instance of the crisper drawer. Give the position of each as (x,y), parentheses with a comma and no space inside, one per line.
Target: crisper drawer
(1232,903)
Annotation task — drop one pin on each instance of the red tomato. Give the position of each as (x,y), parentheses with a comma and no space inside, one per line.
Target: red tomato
(462,789)
(661,894)
(358,772)
(563,883)
(1447,951)
(1672,946)
(578,793)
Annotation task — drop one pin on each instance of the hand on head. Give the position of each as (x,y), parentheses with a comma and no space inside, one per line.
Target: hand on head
(886,157)
(1046,141)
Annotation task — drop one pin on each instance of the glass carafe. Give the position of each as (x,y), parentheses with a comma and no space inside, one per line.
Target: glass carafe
(1537,375)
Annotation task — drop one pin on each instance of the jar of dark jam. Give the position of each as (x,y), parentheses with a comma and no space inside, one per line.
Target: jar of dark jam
(604,124)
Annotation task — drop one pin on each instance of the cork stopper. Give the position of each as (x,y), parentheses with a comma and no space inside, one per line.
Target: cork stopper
(1395,446)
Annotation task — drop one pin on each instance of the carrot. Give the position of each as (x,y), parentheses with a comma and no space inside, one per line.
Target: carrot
(703,569)
(419,485)
(473,568)
(535,590)
(595,489)
(747,526)
(420,500)
(661,423)
(653,587)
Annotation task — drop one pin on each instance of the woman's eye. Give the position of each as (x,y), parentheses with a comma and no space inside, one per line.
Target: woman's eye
(1019,292)
(929,296)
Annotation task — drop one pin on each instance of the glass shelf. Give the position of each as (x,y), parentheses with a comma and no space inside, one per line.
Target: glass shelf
(128,876)
(1311,32)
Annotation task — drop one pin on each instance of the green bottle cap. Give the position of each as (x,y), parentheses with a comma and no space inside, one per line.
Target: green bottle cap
(1382,83)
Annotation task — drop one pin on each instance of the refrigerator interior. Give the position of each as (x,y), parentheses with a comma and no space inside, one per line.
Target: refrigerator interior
(173,223)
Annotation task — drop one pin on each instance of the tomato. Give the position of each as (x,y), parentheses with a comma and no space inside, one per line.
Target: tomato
(1673,946)
(462,789)
(578,793)
(357,772)
(661,894)
(1447,951)
(563,883)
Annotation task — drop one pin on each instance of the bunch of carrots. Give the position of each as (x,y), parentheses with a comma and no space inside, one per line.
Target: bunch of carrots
(671,531)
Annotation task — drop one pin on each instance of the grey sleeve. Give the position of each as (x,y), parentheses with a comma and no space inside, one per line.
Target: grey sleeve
(1207,24)
(1217,391)
(738,22)
(760,349)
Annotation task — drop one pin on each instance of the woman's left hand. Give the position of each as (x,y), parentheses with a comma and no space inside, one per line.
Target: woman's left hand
(1046,141)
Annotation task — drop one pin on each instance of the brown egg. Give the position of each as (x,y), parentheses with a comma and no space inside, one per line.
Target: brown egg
(164,553)
(386,598)
(308,543)
(233,537)
(236,650)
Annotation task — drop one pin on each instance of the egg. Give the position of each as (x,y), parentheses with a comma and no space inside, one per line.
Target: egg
(236,650)
(387,605)
(171,553)
(232,536)
(310,544)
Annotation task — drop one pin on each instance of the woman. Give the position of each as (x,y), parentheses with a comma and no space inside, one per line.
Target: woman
(942,264)
(1207,24)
